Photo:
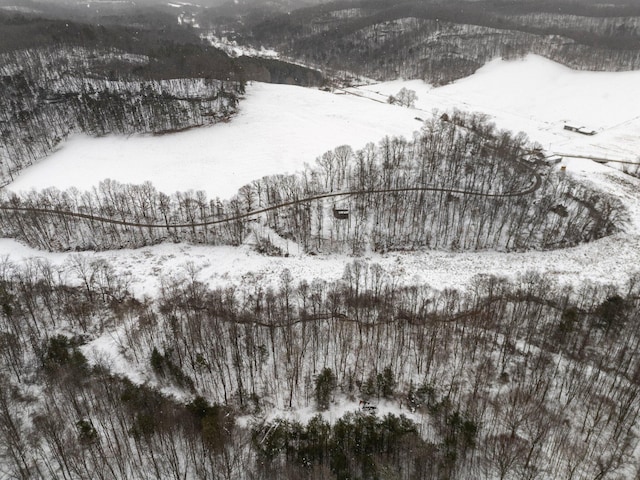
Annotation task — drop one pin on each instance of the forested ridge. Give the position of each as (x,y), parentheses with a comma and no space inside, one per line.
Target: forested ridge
(503,379)
(459,184)
(443,41)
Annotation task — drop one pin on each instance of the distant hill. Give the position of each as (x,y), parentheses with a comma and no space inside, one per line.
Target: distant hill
(442,41)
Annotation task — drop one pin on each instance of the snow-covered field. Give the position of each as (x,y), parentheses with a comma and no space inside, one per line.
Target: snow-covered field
(538,96)
(278,130)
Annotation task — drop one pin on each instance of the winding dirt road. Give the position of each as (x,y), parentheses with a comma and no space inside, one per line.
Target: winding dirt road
(535,185)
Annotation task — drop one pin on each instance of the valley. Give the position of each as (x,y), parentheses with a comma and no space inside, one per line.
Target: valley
(280,259)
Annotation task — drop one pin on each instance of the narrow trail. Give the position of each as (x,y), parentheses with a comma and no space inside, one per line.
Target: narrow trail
(535,185)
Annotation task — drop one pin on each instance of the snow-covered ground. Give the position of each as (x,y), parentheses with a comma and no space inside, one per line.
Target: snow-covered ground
(231,47)
(339,407)
(279,128)
(609,260)
(612,260)
(538,96)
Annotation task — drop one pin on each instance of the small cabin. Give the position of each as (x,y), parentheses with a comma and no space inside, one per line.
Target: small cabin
(367,407)
(582,130)
(341,213)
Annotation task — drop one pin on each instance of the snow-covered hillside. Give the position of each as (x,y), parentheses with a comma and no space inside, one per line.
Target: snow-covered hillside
(538,96)
(610,260)
(280,128)
(530,371)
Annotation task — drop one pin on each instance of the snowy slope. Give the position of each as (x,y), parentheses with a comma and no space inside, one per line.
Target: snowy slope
(278,130)
(538,96)
(609,260)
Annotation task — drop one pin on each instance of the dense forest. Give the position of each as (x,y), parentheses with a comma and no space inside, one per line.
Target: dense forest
(459,184)
(504,379)
(441,41)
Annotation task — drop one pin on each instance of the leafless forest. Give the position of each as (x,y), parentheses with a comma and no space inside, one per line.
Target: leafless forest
(504,380)
(521,378)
